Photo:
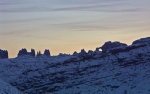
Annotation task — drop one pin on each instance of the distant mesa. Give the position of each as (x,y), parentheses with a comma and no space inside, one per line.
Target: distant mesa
(142,41)
(63,54)
(32,52)
(110,45)
(47,52)
(89,54)
(39,53)
(3,54)
(23,52)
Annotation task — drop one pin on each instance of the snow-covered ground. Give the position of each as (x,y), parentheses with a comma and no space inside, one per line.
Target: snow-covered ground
(6,88)
(123,72)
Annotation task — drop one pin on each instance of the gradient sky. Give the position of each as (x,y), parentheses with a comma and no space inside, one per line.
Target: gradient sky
(69,25)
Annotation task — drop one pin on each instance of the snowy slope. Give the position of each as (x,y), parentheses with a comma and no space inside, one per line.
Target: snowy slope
(5,88)
(122,70)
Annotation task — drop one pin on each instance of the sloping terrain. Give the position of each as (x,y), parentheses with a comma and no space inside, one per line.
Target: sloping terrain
(5,88)
(121,70)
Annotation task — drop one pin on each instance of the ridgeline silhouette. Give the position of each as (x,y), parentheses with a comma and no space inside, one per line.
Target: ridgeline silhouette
(111,47)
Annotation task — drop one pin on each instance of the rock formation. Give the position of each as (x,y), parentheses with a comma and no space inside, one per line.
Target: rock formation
(3,53)
(47,52)
(109,45)
(39,53)
(33,52)
(142,41)
(23,52)
(75,53)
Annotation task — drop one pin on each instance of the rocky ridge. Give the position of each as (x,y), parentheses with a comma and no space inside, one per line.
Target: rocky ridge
(120,70)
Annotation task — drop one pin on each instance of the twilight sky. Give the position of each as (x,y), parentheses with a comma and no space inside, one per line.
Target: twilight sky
(69,25)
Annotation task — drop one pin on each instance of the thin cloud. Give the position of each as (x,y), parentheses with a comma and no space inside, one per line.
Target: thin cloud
(10,33)
(101,6)
(83,26)
(25,20)
(80,8)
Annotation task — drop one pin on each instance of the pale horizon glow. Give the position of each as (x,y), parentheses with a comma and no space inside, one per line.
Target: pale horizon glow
(65,26)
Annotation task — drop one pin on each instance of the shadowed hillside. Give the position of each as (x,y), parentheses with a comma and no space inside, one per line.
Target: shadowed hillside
(117,69)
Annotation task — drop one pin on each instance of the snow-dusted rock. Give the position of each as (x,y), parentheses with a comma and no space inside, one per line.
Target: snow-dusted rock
(6,88)
(123,70)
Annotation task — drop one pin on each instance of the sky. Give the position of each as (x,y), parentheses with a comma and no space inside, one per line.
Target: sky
(65,26)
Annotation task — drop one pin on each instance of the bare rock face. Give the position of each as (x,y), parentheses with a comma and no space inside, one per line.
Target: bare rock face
(3,53)
(24,52)
(109,45)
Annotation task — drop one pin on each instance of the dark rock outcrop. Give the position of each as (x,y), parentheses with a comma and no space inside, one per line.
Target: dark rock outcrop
(75,53)
(110,45)
(3,53)
(33,52)
(97,53)
(142,41)
(90,52)
(25,52)
(39,53)
(83,52)
(83,55)
(126,49)
(47,52)
(22,52)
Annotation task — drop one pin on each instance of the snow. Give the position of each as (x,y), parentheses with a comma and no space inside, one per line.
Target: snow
(6,88)
(126,72)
